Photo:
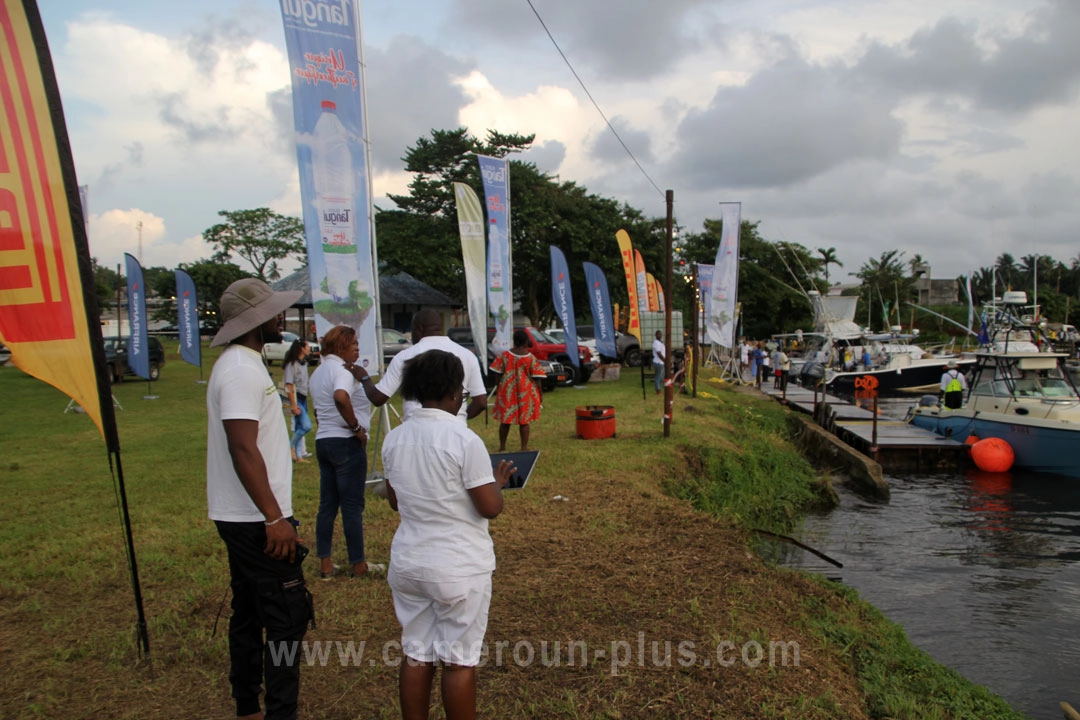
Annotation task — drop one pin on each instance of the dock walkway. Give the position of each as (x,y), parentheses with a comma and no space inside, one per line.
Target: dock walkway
(896,444)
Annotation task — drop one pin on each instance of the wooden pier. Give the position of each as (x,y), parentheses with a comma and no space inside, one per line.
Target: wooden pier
(896,444)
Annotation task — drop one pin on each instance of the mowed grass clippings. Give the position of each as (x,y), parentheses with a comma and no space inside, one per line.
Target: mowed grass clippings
(612,597)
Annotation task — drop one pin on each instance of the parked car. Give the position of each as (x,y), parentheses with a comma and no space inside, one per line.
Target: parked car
(116,357)
(393,342)
(545,347)
(626,346)
(555,372)
(559,334)
(278,351)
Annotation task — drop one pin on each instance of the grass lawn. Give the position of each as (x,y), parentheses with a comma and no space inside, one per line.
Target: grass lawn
(625,586)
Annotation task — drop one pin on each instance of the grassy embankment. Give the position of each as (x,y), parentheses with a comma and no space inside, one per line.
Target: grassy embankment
(640,567)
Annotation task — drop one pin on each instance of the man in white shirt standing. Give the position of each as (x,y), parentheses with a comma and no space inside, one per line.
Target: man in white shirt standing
(427,334)
(658,360)
(249,494)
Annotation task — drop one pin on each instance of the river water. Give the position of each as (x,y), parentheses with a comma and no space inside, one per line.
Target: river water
(981,570)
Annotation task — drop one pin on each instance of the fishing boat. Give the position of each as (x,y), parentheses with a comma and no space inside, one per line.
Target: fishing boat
(837,348)
(1020,392)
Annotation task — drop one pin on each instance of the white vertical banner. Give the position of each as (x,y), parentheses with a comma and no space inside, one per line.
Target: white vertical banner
(329,117)
(725,282)
(471,228)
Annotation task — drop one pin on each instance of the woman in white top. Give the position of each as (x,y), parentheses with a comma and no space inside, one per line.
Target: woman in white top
(439,478)
(344,415)
(296,384)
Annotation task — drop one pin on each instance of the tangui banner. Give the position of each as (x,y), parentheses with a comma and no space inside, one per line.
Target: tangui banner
(600,300)
(704,280)
(138,354)
(329,117)
(187,319)
(46,320)
(564,302)
(626,249)
(725,284)
(471,227)
(496,176)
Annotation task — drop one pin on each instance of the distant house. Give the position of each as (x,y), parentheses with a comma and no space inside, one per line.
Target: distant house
(934,292)
(400,296)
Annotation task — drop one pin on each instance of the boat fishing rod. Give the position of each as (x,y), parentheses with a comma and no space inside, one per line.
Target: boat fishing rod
(968,330)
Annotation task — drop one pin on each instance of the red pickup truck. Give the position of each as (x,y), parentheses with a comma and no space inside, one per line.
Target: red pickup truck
(545,347)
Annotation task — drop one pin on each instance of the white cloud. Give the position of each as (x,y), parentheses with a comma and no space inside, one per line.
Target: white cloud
(181,136)
(116,232)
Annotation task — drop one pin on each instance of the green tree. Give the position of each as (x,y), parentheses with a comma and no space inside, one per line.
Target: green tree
(828,257)
(421,236)
(260,236)
(417,236)
(106,281)
(884,281)
(773,278)
(1005,267)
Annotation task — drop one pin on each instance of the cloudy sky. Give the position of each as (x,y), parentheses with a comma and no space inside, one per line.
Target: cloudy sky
(937,127)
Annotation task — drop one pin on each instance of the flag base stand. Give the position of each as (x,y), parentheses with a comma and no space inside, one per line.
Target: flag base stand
(150,397)
(75,407)
(200,382)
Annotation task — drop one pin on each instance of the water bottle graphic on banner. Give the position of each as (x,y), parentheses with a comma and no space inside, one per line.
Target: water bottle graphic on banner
(334,192)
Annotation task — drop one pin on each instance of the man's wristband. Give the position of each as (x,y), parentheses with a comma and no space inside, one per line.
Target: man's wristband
(274,522)
(356,428)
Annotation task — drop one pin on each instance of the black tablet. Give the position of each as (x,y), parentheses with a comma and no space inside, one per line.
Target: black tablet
(523,461)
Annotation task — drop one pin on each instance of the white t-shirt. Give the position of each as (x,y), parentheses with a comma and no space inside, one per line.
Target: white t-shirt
(474,379)
(240,388)
(329,377)
(297,374)
(658,352)
(431,462)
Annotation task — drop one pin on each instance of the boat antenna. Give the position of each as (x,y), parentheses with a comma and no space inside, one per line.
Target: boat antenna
(776,246)
(969,331)
(802,266)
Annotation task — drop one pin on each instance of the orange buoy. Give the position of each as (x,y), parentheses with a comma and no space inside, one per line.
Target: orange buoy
(992,455)
(971,440)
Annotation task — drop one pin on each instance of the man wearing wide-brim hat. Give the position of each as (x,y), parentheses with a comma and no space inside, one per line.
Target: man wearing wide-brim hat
(249,494)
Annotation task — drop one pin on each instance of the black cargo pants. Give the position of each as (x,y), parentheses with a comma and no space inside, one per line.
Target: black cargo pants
(267,595)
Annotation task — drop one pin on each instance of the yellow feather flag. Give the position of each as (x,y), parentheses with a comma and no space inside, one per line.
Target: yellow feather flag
(44,258)
(626,249)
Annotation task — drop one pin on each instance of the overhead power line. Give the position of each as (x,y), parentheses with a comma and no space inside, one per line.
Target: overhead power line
(593,100)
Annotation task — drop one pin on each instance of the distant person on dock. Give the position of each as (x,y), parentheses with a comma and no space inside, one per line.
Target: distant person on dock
(953,387)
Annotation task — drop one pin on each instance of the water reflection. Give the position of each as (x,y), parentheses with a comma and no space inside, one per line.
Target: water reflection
(981,569)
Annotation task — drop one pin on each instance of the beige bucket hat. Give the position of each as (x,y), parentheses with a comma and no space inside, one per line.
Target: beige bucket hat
(247,304)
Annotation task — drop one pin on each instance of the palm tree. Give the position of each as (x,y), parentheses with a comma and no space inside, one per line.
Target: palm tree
(917,265)
(828,257)
(1006,270)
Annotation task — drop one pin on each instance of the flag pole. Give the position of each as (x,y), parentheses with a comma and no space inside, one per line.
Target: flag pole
(86,277)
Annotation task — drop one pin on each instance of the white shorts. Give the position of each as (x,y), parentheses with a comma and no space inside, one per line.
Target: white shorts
(443,621)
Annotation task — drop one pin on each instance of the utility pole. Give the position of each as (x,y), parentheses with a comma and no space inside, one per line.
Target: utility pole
(668,386)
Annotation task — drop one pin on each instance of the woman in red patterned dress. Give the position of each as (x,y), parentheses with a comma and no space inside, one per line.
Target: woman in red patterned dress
(518,398)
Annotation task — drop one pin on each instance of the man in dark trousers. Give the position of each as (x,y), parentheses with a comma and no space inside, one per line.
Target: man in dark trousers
(249,494)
